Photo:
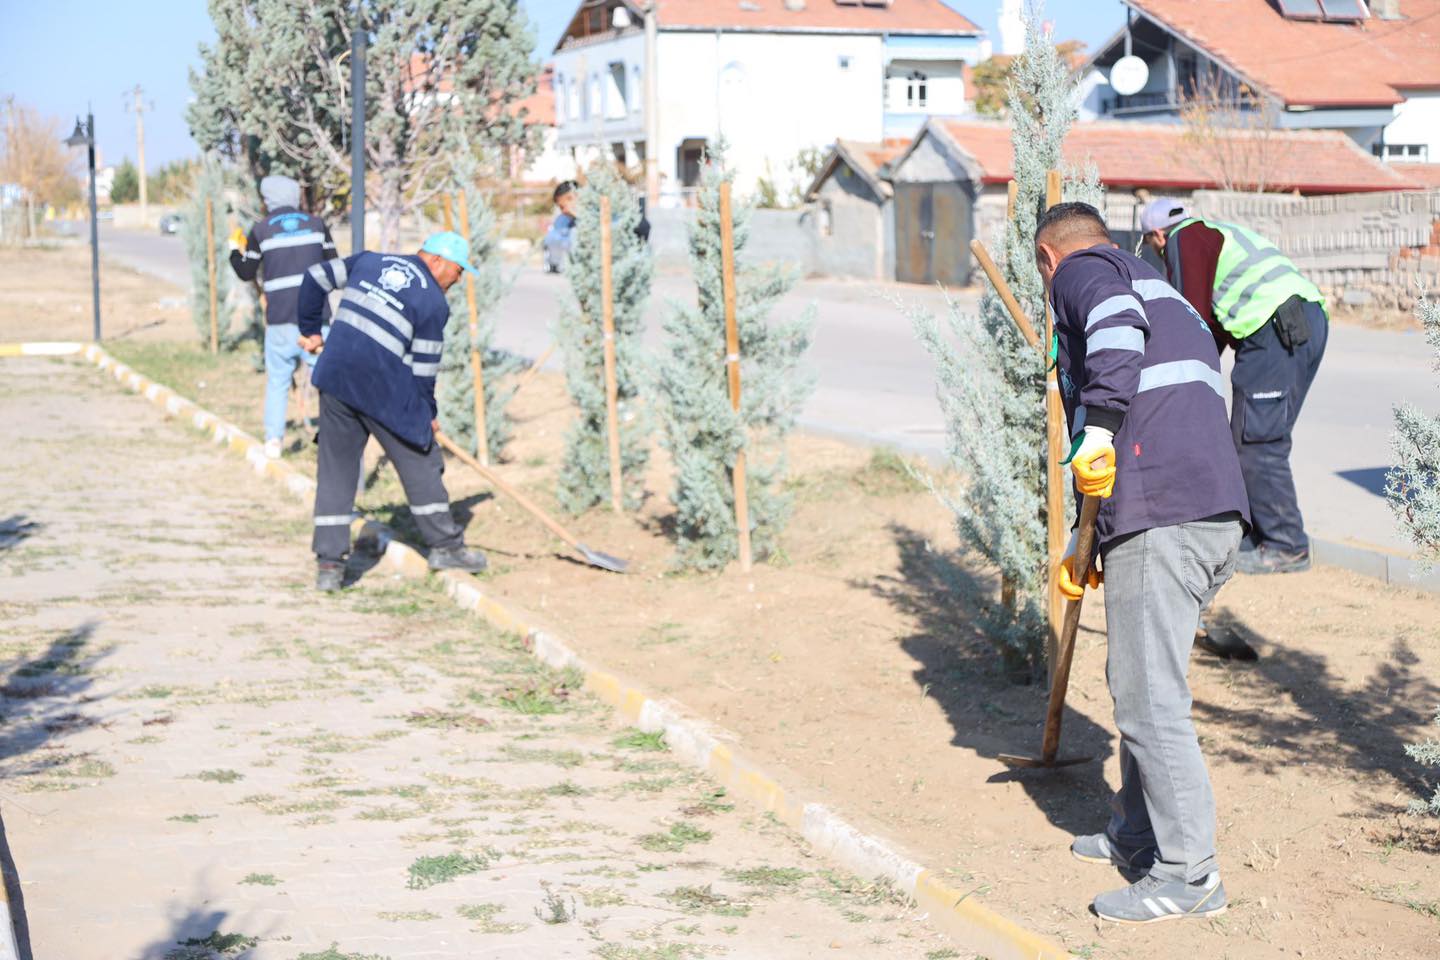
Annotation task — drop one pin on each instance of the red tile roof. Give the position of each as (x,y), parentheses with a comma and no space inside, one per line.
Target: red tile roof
(1307,62)
(896,16)
(540,105)
(1425,174)
(1157,157)
(866,159)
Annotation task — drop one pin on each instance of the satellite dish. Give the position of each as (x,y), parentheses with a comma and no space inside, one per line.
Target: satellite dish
(1129,75)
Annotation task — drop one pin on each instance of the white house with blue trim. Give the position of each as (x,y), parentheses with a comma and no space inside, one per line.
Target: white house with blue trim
(772,78)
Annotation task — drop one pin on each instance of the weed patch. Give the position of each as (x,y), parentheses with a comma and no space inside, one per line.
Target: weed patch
(261,879)
(640,740)
(555,910)
(768,876)
(446,720)
(213,945)
(705,900)
(485,915)
(218,776)
(677,838)
(428,871)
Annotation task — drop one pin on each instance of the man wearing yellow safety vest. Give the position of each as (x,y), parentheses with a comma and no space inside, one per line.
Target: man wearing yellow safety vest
(1256,301)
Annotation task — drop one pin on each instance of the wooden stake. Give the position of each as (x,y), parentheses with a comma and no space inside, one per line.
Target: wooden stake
(1055,533)
(446,211)
(477,367)
(732,364)
(1007,297)
(612,388)
(210,262)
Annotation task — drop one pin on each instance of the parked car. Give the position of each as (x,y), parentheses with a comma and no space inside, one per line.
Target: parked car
(171,223)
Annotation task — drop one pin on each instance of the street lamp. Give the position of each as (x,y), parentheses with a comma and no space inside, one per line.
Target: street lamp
(84,136)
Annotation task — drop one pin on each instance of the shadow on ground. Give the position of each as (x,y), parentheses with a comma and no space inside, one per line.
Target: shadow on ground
(41,698)
(16,529)
(1294,710)
(961,670)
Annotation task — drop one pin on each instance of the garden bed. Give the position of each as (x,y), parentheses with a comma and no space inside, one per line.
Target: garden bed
(853,667)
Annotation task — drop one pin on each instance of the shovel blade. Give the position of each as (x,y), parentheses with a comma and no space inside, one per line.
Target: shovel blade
(1013,760)
(602,560)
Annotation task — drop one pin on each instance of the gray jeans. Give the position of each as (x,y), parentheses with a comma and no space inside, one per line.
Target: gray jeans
(1156,582)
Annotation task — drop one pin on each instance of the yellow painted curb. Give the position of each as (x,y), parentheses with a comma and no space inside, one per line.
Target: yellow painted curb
(971,923)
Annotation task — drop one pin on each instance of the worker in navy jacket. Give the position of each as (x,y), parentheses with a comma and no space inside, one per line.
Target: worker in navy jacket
(1140,378)
(281,246)
(376,378)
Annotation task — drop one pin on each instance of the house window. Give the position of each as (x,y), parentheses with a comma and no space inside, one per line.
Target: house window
(844,62)
(616,94)
(1418,152)
(825,219)
(916,90)
(639,90)
(557,87)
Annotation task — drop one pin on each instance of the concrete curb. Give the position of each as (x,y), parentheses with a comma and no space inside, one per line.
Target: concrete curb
(693,740)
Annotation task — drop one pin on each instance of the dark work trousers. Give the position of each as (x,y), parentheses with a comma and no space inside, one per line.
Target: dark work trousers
(343,434)
(1269,386)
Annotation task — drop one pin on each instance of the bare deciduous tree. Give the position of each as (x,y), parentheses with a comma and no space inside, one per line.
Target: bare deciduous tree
(33,158)
(1230,133)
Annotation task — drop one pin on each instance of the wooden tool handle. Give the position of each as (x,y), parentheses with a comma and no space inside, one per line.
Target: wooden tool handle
(506,489)
(1060,681)
(1006,296)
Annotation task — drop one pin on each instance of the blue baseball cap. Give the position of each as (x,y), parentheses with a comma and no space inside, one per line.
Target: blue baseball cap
(451,246)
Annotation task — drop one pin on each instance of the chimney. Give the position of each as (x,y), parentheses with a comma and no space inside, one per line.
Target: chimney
(1385,9)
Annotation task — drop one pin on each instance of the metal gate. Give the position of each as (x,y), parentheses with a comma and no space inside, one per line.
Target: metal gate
(933,227)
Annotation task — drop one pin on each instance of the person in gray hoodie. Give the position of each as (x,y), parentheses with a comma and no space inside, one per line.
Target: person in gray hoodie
(281,247)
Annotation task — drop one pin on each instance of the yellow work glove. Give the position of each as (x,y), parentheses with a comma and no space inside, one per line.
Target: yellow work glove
(1065,582)
(1094,463)
(237,239)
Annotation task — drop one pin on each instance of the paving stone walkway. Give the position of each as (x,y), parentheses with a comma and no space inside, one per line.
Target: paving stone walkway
(202,758)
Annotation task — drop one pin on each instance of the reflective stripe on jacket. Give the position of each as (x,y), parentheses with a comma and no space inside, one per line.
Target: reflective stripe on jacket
(280,248)
(1136,358)
(1252,279)
(383,351)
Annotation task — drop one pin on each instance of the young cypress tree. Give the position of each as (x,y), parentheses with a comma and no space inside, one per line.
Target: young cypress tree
(237,306)
(702,432)
(585,471)
(455,389)
(992,383)
(1427,754)
(1413,484)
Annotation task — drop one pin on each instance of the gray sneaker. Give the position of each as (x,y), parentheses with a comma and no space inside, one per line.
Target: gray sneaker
(1153,899)
(458,558)
(1099,848)
(329,576)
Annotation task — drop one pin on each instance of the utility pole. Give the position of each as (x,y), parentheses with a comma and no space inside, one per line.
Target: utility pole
(138,107)
(357,133)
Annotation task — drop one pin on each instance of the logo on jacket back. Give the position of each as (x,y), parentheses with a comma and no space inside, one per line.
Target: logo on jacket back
(291,224)
(395,278)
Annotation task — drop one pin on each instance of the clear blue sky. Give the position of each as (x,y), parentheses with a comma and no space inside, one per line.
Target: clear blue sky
(59,55)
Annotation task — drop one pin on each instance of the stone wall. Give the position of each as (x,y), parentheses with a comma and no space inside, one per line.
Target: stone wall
(1370,251)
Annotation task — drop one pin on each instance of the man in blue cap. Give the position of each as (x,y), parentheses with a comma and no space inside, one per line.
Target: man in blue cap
(377,378)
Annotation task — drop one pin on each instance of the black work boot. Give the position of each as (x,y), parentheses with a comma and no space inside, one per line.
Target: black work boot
(329,576)
(1224,643)
(458,558)
(1265,559)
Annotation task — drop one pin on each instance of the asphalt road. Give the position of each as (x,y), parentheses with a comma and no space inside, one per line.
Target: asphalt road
(875,382)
